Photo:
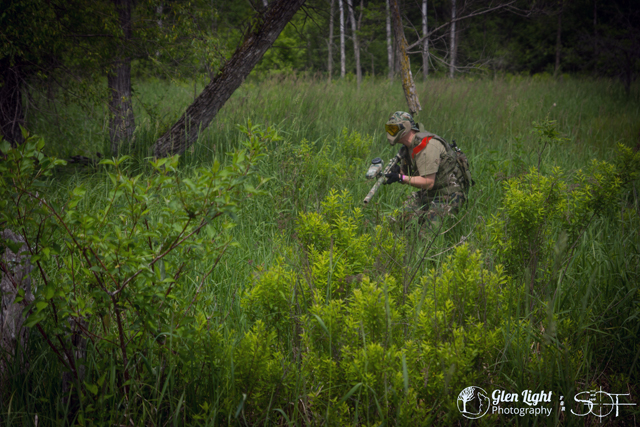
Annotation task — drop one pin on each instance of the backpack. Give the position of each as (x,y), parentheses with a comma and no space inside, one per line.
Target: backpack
(463,162)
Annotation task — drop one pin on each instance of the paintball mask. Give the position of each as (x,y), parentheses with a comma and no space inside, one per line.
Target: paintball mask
(398,125)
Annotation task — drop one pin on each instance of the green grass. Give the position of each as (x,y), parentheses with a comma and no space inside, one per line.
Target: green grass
(491,120)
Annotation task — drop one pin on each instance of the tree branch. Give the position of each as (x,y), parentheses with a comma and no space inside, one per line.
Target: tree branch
(471,15)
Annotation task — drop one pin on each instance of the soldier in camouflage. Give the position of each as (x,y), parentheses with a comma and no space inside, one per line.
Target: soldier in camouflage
(439,172)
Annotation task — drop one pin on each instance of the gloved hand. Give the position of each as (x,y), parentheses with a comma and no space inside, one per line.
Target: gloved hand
(393,177)
(395,168)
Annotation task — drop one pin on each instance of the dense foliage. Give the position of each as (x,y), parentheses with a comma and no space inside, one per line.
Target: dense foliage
(189,292)
(243,283)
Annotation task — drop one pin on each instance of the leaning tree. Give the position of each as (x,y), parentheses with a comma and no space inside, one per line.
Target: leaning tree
(265,28)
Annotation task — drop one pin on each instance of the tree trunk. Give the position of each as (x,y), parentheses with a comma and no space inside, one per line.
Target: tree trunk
(121,120)
(425,42)
(11,112)
(15,269)
(330,58)
(265,30)
(373,70)
(389,45)
(453,48)
(159,9)
(356,47)
(595,18)
(397,66)
(343,67)
(408,85)
(556,70)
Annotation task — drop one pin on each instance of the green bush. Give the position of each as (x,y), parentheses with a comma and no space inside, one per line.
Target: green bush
(110,268)
(367,342)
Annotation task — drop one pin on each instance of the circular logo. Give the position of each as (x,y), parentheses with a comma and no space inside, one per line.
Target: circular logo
(473,402)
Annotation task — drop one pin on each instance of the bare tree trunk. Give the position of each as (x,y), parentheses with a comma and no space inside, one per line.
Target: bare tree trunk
(330,58)
(11,112)
(389,45)
(556,70)
(397,65)
(425,43)
(265,30)
(159,9)
(595,30)
(15,269)
(343,66)
(408,85)
(373,70)
(595,18)
(356,47)
(453,49)
(121,120)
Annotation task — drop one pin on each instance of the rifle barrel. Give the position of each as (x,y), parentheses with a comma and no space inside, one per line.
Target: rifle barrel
(373,190)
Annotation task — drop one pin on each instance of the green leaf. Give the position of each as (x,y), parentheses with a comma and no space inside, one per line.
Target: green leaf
(91,387)
(20,296)
(322,324)
(49,292)
(79,191)
(350,392)
(14,246)
(405,374)
(101,379)
(4,146)
(34,319)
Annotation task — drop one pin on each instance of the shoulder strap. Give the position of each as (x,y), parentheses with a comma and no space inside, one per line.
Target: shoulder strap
(423,144)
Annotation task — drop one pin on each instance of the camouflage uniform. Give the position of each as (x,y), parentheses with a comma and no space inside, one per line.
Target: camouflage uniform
(430,154)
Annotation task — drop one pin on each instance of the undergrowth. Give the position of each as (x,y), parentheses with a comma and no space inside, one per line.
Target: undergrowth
(294,304)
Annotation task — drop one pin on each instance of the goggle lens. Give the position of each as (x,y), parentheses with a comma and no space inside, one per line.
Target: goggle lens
(393,129)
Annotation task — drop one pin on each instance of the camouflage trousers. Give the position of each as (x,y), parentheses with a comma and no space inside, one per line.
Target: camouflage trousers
(421,207)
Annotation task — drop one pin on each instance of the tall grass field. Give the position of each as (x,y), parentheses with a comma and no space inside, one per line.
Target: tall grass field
(299,305)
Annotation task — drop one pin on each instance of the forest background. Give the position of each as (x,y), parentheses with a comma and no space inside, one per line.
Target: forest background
(243,282)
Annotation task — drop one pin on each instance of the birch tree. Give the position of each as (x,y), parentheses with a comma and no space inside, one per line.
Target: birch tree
(343,68)
(452,40)
(425,42)
(356,47)
(330,55)
(389,45)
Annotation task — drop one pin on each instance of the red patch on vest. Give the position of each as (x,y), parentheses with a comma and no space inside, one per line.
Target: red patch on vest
(421,146)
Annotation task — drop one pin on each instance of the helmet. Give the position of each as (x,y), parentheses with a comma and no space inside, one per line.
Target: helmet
(398,125)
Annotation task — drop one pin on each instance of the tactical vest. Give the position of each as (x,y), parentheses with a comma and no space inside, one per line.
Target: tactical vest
(453,174)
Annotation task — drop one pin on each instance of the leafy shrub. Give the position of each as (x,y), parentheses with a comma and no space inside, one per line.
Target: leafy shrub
(522,232)
(541,216)
(270,298)
(112,267)
(366,342)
